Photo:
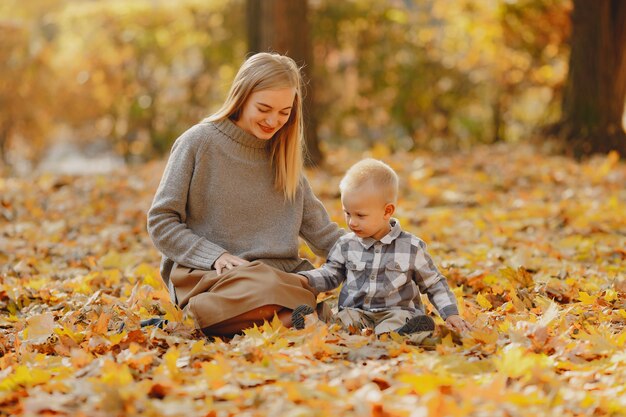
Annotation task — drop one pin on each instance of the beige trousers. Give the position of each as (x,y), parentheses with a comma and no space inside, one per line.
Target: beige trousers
(381,321)
(210,298)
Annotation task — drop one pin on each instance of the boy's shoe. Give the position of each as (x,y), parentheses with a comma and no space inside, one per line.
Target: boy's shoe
(417,324)
(297,317)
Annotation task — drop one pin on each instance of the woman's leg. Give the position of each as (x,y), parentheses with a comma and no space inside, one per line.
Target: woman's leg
(248,319)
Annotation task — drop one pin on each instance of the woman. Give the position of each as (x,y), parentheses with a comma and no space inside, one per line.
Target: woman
(233,192)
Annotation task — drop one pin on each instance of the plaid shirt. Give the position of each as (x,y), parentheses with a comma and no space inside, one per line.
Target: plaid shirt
(380,275)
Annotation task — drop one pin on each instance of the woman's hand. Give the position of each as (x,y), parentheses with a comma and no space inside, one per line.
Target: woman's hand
(456,323)
(227,261)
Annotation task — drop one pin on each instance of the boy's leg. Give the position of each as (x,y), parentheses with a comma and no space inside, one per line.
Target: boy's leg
(354,318)
(324,311)
(391,320)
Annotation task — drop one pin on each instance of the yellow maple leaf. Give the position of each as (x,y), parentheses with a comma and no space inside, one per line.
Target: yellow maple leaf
(425,383)
(610,295)
(172,312)
(77,337)
(214,374)
(516,362)
(519,277)
(114,374)
(36,284)
(587,299)
(150,275)
(112,276)
(111,260)
(102,324)
(483,302)
(197,347)
(170,358)
(116,337)
(25,377)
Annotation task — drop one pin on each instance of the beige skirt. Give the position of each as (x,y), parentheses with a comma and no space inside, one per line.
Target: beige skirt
(211,298)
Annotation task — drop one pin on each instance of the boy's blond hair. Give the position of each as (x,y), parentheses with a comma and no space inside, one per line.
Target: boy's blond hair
(374,172)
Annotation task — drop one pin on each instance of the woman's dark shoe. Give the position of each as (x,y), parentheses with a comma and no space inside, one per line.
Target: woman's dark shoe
(297,317)
(417,324)
(154,321)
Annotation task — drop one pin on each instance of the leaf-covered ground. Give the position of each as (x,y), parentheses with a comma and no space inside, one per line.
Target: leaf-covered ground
(533,245)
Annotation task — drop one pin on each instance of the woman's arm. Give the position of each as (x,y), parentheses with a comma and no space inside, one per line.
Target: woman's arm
(166,218)
(319,232)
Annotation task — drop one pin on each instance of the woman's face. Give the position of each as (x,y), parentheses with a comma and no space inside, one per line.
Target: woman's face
(266,111)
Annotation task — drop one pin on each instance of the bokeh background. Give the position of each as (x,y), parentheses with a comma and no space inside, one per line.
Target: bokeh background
(122,79)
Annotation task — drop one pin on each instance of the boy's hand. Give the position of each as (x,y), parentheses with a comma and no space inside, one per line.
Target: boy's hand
(305,284)
(456,323)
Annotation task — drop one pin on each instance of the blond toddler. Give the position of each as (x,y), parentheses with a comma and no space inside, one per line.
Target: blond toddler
(384,270)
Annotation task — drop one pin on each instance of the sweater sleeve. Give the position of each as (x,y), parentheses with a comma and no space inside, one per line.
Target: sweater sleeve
(316,228)
(167,215)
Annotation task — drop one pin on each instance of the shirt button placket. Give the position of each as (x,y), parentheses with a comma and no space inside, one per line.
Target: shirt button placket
(375,266)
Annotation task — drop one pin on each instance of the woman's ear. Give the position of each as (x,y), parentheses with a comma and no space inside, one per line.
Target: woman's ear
(390,208)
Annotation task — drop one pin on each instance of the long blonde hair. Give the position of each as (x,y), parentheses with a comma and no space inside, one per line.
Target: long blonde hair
(271,71)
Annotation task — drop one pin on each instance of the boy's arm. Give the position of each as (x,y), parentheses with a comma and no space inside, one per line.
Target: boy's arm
(431,282)
(329,275)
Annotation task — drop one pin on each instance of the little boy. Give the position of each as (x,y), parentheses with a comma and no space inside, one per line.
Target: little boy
(384,269)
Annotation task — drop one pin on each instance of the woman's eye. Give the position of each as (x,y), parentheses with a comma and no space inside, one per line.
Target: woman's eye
(284,114)
(263,111)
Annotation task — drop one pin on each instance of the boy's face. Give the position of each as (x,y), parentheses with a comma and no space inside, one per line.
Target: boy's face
(367,213)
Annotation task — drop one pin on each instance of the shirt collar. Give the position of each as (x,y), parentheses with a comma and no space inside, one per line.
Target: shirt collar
(395,231)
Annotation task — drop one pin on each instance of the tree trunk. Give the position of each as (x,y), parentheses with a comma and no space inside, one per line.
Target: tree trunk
(4,146)
(282,26)
(593,101)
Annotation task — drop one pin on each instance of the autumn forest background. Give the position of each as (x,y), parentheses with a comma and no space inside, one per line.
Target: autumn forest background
(503,118)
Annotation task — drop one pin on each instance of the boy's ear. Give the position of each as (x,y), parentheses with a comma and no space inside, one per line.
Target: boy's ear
(390,208)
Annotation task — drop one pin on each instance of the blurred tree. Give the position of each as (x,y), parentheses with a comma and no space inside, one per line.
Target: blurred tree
(282,26)
(27,87)
(533,63)
(157,69)
(435,74)
(438,74)
(593,103)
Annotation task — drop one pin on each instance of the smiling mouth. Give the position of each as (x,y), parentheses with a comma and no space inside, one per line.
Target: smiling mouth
(266,129)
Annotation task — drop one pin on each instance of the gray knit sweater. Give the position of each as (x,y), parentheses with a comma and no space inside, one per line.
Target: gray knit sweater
(217,195)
